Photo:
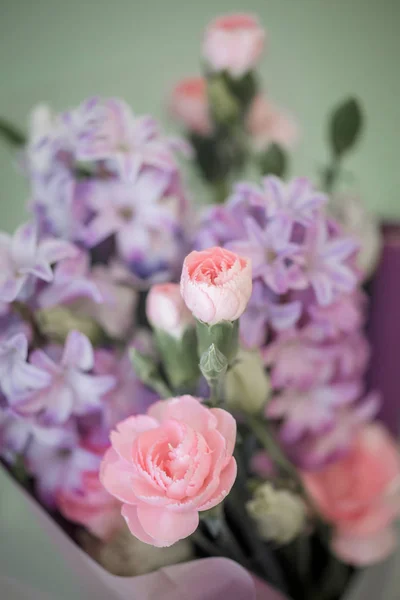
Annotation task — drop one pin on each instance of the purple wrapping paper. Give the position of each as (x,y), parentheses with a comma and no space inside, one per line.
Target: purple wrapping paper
(384,328)
(206,579)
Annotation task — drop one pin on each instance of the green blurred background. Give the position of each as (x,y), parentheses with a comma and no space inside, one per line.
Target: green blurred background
(319,51)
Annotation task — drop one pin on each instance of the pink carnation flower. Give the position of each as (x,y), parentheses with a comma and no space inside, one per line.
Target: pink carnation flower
(91,506)
(268,125)
(168,465)
(216,284)
(359,494)
(189,105)
(166,309)
(233,43)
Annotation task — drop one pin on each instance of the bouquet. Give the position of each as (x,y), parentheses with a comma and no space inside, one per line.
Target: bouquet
(181,380)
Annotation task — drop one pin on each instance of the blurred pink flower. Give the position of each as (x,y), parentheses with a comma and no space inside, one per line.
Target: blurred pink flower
(268,125)
(233,43)
(216,284)
(189,105)
(166,309)
(91,506)
(168,465)
(360,495)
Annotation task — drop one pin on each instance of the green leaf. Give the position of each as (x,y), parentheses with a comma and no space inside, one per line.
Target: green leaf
(274,161)
(146,370)
(345,126)
(11,134)
(244,88)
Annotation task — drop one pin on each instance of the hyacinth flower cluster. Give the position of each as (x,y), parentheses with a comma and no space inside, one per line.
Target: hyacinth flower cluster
(306,313)
(108,180)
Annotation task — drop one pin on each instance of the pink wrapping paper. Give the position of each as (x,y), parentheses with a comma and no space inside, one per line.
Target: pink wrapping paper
(205,579)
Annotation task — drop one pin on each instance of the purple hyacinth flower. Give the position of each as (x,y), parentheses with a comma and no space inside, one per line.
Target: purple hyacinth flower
(312,411)
(271,256)
(326,263)
(72,280)
(17,376)
(23,255)
(72,389)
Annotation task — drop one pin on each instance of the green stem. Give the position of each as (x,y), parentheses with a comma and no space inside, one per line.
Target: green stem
(331,175)
(221,191)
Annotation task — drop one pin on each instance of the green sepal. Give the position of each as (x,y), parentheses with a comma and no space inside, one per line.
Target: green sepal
(224,335)
(273,161)
(345,126)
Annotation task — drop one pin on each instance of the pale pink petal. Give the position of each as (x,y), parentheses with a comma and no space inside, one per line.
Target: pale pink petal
(116,476)
(165,526)
(122,439)
(226,425)
(186,409)
(130,515)
(226,481)
(362,551)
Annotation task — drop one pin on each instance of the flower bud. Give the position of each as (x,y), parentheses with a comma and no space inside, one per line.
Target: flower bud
(166,310)
(280,515)
(216,285)
(247,385)
(189,105)
(233,43)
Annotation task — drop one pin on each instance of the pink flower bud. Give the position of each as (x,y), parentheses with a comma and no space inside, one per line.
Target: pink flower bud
(233,43)
(166,310)
(268,124)
(216,284)
(189,105)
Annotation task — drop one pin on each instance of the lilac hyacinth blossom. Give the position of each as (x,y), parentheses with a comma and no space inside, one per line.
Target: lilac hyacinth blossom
(345,315)
(263,310)
(129,396)
(325,263)
(16,433)
(107,130)
(147,220)
(290,203)
(59,468)
(17,376)
(72,280)
(72,389)
(270,254)
(316,451)
(23,256)
(296,361)
(311,411)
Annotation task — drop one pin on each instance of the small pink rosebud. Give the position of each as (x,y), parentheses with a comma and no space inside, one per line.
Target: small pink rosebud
(268,124)
(233,43)
(189,105)
(166,310)
(216,284)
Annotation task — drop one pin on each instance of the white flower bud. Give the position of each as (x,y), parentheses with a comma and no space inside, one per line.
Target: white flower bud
(280,515)
(247,385)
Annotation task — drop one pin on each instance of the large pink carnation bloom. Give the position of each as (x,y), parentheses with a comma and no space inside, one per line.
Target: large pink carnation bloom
(168,465)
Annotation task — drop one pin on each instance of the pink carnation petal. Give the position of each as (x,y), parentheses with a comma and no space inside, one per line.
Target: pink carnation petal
(186,409)
(122,439)
(226,481)
(226,425)
(165,526)
(130,515)
(116,477)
